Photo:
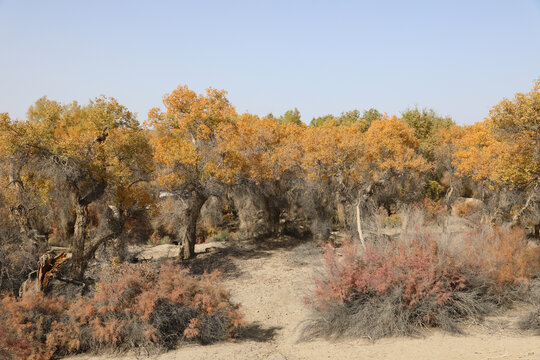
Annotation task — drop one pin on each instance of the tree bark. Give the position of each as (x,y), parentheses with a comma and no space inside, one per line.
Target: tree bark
(82,254)
(341,209)
(359,225)
(516,219)
(78,265)
(187,229)
(257,214)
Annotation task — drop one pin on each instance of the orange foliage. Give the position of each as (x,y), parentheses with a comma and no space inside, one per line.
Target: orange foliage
(505,149)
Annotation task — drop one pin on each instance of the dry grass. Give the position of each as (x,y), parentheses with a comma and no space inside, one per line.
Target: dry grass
(531,321)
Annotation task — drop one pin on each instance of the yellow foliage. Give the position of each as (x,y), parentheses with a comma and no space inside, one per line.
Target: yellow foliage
(505,148)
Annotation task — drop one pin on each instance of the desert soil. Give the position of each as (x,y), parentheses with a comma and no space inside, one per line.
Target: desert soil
(270,280)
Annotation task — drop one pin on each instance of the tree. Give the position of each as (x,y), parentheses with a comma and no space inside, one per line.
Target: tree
(363,167)
(371,115)
(426,124)
(85,152)
(184,142)
(259,156)
(321,120)
(290,117)
(349,117)
(504,150)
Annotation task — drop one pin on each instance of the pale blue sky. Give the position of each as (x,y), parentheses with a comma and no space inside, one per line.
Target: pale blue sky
(458,57)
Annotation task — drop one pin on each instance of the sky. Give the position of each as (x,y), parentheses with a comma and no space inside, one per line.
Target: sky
(323,57)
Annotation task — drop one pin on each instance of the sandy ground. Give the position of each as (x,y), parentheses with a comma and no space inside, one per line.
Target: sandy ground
(271,279)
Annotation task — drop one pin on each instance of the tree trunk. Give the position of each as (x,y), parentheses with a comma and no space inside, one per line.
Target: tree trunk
(320,219)
(359,225)
(20,213)
(516,219)
(257,214)
(341,209)
(83,249)
(78,265)
(187,229)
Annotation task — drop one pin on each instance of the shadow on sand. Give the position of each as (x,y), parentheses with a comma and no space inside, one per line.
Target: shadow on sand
(255,332)
(222,258)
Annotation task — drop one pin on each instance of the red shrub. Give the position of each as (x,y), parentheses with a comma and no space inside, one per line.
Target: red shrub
(417,268)
(26,324)
(133,306)
(393,288)
(11,346)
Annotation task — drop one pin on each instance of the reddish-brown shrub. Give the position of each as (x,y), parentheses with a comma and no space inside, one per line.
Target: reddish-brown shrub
(132,307)
(27,324)
(394,288)
(12,346)
(503,255)
(416,268)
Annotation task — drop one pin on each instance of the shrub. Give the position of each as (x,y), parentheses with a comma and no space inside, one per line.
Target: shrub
(132,307)
(434,211)
(16,262)
(394,289)
(502,255)
(12,346)
(28,323)
(386,220)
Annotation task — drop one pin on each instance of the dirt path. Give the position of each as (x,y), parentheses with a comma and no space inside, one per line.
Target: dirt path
(271,282)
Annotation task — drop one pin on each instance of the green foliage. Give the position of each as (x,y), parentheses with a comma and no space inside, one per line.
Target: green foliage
(349,117)
(434,189)
(223,235)
(321,120)
(371,115)
(426,124)
(290,117)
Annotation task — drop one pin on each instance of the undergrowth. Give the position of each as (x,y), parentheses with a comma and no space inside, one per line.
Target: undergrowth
(397,288)
(133,307)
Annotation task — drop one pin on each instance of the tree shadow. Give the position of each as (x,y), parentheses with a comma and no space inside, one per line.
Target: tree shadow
(222,258)
(256,332)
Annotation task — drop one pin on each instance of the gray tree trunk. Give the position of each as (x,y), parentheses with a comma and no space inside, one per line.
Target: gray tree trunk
(187,228)
(256,213)
(78,265)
